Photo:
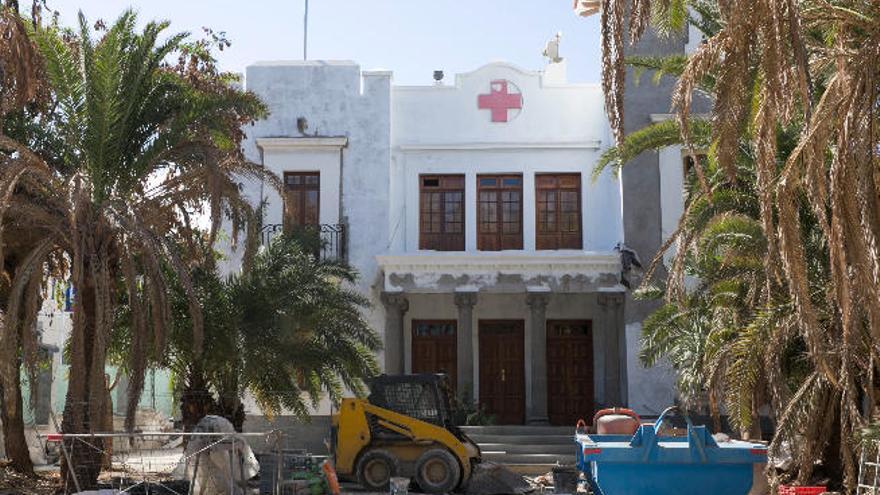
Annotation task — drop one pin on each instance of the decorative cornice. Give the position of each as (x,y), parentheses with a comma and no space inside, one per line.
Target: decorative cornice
(300,143)
(585,261)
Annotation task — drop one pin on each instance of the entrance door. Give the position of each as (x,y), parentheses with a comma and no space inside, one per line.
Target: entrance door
(434,348)
(569,371)
(502,370)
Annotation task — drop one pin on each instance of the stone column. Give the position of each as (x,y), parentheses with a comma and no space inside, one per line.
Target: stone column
(536,396)
(611,305)
(396,305)
(464,341)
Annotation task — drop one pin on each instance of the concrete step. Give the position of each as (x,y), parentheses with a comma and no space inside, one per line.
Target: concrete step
(518,430)
(523,439)
(507,459)
(512,448)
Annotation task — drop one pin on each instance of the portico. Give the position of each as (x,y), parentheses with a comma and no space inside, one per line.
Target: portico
(510,337)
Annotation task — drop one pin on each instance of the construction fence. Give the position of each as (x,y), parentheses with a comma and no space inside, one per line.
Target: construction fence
(203,462)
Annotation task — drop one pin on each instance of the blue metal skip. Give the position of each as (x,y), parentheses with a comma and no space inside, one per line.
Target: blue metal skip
(648,464)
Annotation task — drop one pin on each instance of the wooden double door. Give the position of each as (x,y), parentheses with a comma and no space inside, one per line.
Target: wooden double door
(502,370)
(570,394)
(570,390)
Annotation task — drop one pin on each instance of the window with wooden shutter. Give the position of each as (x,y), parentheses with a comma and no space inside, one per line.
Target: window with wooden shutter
(558,210)
(302,199)
(499,215)
(441,212)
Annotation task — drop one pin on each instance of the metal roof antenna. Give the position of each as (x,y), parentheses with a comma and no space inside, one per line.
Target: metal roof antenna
(306,32)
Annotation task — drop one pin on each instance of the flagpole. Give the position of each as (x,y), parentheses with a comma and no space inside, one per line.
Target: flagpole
(306,32)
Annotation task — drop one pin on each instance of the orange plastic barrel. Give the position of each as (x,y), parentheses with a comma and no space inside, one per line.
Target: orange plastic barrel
(616,421)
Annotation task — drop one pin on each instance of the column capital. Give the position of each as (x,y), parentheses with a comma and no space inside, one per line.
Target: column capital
(610,300)
(537,300)
(465,299)
(395,300)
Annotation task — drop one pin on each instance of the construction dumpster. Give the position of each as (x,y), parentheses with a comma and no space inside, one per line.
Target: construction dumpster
(649,462)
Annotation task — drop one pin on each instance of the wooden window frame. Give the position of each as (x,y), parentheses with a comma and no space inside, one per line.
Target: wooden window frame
(442,240)
(557,238)
(588,322)
(435,321)
(288,220)
(499,240)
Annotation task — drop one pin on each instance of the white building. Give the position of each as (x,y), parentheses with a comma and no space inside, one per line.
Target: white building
(468,209)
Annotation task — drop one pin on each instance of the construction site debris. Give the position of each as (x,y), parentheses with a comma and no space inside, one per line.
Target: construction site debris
(490,478)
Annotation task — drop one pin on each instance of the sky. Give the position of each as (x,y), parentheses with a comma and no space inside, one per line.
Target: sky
(410,37)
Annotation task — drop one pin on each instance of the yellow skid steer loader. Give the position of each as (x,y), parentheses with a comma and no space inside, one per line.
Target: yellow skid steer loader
(404,429)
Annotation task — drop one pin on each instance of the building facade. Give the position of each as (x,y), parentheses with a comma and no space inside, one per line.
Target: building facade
(469,210)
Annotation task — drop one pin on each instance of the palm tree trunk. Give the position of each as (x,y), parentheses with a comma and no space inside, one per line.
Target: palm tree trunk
(196,402)
(12,410)
(86,455)
(107,425)
(231,408)
(12,415)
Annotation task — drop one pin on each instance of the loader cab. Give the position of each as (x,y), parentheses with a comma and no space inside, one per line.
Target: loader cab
(423,396)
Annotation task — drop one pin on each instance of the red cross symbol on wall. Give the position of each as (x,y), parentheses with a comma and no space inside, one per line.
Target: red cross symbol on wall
(499,101)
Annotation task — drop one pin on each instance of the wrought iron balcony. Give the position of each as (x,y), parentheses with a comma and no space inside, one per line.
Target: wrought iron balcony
(329,239)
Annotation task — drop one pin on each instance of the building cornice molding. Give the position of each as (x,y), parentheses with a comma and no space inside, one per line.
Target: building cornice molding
(530,272)
(584,261)
(578,145)
(300,143)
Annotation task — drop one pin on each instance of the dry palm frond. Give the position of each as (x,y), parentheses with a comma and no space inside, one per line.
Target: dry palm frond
(21,78)
(613,70)
(779,67)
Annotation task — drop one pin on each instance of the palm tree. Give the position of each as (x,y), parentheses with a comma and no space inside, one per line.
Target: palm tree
(316,339)
(144,145)
(800,334)
(289,330)
(21,93)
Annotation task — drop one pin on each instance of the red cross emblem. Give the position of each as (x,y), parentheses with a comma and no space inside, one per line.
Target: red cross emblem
(499,100)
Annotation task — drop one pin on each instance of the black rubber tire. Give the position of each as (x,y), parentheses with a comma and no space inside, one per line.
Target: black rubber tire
(437,471)
(375,468)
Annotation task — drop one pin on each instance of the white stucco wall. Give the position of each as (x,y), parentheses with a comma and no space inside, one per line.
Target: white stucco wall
(338,101)
(671,193)
(561,128)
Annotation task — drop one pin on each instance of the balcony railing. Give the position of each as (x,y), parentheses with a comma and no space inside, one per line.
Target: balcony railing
(329,239)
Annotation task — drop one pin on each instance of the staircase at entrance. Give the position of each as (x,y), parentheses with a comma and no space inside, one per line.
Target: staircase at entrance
(529,450)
